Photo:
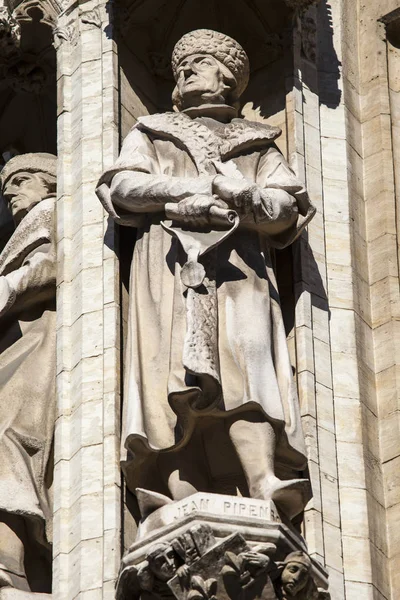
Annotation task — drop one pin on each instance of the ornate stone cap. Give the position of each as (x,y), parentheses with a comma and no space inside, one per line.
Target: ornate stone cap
(224,48)
(39,162)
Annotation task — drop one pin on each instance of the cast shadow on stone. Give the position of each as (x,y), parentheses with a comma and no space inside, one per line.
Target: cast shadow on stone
(328,62)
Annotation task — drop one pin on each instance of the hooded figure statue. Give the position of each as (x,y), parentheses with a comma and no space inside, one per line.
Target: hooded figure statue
(27,373)
(210,403)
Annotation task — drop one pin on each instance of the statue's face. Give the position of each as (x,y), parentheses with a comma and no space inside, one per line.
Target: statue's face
(294,578)
(200,80)
(163,563)
(23,191)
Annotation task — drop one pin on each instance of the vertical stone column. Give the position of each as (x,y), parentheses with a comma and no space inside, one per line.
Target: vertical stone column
(332,338)
(348,170)
(319,133)
(87,477)
(387,324)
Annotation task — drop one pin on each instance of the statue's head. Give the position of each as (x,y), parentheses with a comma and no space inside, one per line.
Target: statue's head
(296,573)
(27,179)
(209,68)
(162,561)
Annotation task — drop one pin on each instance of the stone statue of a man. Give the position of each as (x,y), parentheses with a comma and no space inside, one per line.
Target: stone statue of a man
(207,364)
(27,373)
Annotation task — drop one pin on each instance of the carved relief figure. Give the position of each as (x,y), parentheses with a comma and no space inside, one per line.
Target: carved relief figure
(210,194)
(27,373)
(296,582)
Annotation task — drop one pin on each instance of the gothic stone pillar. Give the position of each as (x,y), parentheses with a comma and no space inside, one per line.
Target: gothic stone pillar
(87,476)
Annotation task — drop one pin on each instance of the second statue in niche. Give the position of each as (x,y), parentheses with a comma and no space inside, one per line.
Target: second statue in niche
(210,402)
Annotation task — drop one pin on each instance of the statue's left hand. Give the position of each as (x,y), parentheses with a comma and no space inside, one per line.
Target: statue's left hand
(183,573)
(7,296)
(240,194)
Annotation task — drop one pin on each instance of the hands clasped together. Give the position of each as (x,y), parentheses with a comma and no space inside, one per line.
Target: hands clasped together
(245,198)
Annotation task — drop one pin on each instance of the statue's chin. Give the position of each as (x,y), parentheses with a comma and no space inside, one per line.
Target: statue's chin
(220,112)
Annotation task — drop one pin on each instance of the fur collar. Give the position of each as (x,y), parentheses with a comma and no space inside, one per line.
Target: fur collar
(35,229)
(207,140)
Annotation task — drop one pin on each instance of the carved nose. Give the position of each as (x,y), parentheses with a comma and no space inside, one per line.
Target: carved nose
(188,71)
(9,196)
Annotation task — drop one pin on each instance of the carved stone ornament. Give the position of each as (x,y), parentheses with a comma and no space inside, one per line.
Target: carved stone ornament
(10,34)
(69,33)
(50,10)
(195,565)
(91,18)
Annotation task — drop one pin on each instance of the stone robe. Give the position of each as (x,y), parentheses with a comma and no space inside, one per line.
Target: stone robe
(27,370)
(173,374)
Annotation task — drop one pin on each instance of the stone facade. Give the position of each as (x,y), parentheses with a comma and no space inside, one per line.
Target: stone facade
(75,78)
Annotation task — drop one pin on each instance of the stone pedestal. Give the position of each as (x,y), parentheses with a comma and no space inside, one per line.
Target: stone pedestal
(213,546)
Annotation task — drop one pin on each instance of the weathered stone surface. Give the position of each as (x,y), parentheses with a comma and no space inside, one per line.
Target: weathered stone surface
(27,373)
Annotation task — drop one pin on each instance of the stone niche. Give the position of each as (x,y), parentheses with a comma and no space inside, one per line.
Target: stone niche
(229,526)
(146,35)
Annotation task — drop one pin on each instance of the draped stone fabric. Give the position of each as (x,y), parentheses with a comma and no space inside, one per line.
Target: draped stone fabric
(167,157)
(27,370)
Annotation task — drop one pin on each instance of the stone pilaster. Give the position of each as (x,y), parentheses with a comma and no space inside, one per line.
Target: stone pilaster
(87,476)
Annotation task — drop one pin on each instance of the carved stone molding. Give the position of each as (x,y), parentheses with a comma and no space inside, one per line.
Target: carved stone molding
(10,34)
(50,9)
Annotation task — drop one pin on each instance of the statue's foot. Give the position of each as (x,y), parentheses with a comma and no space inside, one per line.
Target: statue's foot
(290,496)
(150,501)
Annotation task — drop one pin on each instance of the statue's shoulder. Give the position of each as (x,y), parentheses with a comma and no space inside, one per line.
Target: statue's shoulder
(241,135)
(242,128)
(169,122)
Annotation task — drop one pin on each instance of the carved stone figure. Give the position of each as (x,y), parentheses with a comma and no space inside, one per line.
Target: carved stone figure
(27,373)
(220,569)
(149,579)
(208,376)
(296,581)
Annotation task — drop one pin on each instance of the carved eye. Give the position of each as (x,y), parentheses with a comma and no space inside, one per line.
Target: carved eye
(20,179)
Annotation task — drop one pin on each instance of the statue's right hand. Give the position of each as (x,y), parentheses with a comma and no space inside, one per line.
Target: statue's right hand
(7,296)
(193,210)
